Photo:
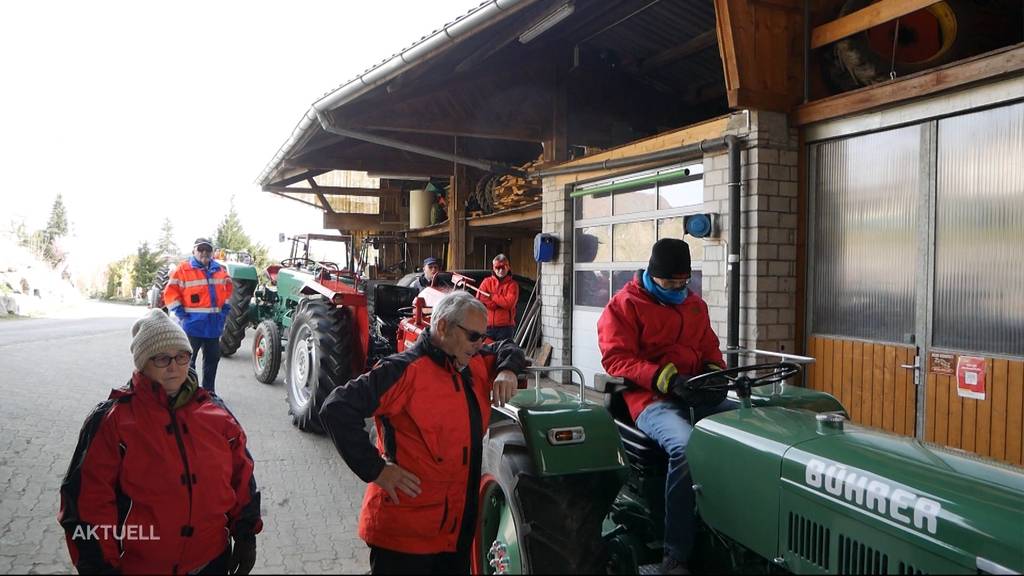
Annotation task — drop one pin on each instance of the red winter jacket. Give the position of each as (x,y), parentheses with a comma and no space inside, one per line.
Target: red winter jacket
(501,304)
(638,335)
(152,490)
(430,419)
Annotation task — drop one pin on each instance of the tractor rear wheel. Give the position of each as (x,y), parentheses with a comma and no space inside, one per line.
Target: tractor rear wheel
(319,356)
(238,317)
(266,351)
(529,524)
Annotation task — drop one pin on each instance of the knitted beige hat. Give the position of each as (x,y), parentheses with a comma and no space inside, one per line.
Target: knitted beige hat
(155,333)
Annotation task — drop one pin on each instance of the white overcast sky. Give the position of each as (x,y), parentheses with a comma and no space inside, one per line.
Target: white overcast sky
(134,111)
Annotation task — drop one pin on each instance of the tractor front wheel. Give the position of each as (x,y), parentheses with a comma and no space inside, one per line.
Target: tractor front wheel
(266,351)
(319,356)
(531,524)
(238,316)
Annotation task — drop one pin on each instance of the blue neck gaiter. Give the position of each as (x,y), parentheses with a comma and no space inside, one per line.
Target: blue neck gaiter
(664,296)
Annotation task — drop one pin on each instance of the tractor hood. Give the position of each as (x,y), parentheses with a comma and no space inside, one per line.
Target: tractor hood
(853,499)
(949,503)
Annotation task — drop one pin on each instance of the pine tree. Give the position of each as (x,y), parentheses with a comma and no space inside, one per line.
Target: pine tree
(230,235)
(56,228)
(166,247)
(147,263)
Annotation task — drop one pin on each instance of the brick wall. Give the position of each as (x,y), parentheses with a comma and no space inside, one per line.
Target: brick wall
(556,277)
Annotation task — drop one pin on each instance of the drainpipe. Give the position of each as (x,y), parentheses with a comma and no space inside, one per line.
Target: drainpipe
(735,218)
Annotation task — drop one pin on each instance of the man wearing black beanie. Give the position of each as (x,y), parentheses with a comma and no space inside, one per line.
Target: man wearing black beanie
(656,335)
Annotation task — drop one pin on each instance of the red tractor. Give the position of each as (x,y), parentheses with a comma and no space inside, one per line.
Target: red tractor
(418,315)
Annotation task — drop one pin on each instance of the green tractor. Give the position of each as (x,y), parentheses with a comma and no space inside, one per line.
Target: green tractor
(784,484)
(309,315)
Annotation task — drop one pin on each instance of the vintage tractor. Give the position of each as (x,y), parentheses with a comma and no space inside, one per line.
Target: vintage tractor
(416,318)
(309,313)
(783,483)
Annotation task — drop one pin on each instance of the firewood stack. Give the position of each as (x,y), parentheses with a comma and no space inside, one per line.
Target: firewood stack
(495,193)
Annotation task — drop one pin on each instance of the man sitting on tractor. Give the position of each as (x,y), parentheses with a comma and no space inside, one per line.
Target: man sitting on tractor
(656,335)
(430,268)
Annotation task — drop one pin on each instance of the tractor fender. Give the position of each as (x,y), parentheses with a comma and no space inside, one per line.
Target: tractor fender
(337,298)
(563,435)
(239,271)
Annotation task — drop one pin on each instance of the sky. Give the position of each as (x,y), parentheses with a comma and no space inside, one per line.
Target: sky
(139,111)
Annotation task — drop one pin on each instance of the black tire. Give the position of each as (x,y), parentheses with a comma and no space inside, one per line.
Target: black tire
(238,318)
(558,519)
(319,359)
(266,352)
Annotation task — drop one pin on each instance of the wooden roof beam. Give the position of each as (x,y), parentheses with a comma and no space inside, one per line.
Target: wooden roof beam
(868,17)
(698,43)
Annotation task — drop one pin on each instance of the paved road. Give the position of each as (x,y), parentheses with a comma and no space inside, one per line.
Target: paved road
(53,371)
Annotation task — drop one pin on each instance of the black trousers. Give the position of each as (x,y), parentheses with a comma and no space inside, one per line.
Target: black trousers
(498,333)
(384,561)
(211,356)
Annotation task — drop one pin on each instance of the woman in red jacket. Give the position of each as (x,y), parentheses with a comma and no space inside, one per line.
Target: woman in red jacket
(161,476)
(499,292)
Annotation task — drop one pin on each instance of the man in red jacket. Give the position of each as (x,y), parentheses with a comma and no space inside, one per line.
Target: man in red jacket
(499,292)
(430,404)
(657,335)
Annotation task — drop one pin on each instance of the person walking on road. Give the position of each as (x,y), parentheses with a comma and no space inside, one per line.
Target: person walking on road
(161,476)
(430,405)
(197,293)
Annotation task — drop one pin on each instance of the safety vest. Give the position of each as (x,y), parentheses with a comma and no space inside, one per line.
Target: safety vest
(198,296)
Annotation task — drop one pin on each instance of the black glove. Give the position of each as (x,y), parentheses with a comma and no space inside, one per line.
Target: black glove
(243,555)
(704,394)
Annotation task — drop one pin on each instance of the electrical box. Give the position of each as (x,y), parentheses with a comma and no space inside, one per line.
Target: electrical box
(544,247)
(700,225)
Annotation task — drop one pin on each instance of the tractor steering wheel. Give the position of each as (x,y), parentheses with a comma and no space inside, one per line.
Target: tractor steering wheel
(298,262)
(329,266)
(736,378)
(406,311)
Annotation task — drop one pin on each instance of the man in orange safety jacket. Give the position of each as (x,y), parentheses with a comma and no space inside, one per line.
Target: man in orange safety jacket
(197,293)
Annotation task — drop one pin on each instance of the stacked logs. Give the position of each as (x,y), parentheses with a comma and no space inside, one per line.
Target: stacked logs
(495,193)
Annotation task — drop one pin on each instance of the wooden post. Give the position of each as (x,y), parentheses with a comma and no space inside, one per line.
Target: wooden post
(458,192)
(556,143)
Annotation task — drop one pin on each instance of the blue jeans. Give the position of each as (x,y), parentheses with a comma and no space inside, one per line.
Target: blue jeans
(211,356)
(498,333)
(668,424)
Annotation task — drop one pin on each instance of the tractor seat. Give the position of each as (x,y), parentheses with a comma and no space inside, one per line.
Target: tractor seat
(272,271)
(641,450)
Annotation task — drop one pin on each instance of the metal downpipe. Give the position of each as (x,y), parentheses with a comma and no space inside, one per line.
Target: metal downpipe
(735,218)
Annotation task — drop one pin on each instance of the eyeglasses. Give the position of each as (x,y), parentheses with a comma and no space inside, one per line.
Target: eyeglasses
(164,360)
(471,335)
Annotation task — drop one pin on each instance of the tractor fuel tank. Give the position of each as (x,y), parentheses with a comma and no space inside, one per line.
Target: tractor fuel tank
(848,499)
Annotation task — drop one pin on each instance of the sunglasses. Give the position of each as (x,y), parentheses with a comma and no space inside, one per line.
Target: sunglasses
(164,360)
(471,335)
(204,249)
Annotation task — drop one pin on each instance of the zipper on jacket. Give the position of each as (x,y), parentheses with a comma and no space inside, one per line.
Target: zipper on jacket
(455,380)
(188,483)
